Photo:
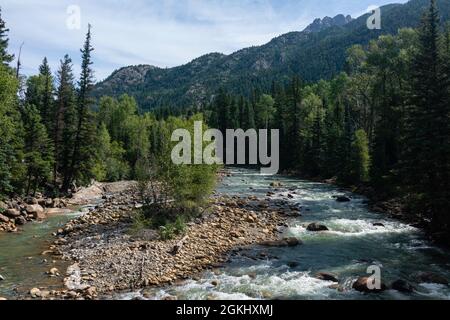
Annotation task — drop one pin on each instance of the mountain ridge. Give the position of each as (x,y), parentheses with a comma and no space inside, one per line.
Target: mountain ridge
(317,52)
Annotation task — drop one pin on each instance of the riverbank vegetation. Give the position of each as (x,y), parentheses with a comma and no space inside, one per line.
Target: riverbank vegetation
(384,123)
(54,138)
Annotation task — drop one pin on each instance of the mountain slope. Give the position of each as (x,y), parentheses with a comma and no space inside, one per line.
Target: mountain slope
(316,53)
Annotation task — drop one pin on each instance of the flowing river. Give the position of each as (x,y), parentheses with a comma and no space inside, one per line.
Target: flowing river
(347,250)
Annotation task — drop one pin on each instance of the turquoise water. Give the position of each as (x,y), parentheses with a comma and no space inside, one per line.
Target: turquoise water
(21,261)
(347,250)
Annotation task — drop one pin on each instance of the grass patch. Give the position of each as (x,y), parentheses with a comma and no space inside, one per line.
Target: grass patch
(169,227)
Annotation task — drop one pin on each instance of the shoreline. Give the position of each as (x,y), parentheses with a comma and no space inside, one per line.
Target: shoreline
(105,258)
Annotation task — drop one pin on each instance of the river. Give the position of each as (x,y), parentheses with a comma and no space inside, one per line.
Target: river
(21,261)
(347,250)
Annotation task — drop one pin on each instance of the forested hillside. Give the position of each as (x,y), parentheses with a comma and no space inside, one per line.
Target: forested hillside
(310,55)
(383,123)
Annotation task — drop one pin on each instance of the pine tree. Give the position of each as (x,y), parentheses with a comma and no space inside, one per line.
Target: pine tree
(47,95)
(82,155)
(5,57)
(222,105)
(426,156)
(39,93)
(11,134)
(64,118)
(38,150)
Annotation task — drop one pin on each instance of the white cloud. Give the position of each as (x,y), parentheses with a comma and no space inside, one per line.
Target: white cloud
(163,33)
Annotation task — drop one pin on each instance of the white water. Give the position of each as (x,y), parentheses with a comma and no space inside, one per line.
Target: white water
(347,250)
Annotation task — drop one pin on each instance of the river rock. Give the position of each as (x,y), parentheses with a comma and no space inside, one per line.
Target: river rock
(37,211)
(48,203)
(430,277)
(402,286)
(35,292)
(31,201)
(362,285)
(317,227)
(343,199)
(12,213)
(4,218)
(378,224)
(54,272)
(215,283)
(1,278)
(276,184)
(286,242)
(327,277)
(21,221)
(91,292)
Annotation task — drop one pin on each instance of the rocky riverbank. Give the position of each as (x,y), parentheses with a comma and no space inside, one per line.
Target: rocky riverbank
(108,257)
(17,212)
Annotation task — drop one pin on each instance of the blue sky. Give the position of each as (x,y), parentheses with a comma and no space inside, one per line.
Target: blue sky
(164,33)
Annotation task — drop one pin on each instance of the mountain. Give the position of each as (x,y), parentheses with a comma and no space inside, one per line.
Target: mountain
(316,53)
(327,22)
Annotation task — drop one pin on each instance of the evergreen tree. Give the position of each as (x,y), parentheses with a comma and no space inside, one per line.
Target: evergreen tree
(38,150)
(5,57)
(426,156)
(64,118)
(11,134)
(82,155)
(39,93)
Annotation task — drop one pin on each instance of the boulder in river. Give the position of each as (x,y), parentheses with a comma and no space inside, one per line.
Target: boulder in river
(378,224)
(402,286)
(37,211)
(363,285)
(317,227)
(286,242)
(276,184)
(430,277)
(327,276)
(343,199)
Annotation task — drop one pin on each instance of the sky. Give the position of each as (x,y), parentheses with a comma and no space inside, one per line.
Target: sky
(164,33)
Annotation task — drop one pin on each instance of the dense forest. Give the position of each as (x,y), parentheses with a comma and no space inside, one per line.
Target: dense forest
(383,123)
(53,142)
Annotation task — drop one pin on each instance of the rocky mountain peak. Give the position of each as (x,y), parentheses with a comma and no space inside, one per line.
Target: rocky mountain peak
(327,22)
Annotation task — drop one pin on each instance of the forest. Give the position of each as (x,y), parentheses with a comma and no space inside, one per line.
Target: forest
(383,124)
